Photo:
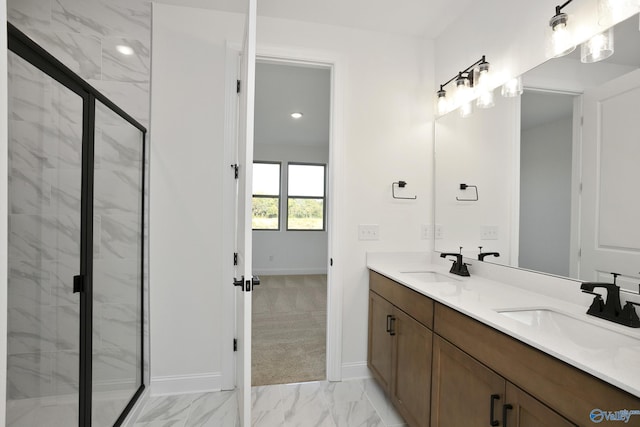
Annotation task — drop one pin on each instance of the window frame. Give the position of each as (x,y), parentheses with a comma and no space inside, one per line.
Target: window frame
(270,196)
(323,198)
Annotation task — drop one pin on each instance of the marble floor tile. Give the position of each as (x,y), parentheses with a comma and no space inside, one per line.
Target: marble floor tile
(313,404)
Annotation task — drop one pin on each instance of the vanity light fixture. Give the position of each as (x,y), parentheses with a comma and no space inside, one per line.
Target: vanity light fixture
(485,90)
(296,115)
(466,86)
(613,11)
(560,41)
(597,48)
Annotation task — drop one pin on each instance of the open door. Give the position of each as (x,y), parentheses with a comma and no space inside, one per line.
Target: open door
(243,278)
(610,237)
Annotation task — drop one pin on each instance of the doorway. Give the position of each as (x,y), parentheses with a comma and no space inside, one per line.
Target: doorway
(290,222)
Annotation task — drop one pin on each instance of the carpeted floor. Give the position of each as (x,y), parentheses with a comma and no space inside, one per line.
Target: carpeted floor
(289,329)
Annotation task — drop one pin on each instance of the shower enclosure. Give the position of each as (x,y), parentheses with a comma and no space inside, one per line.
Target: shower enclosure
(75,247)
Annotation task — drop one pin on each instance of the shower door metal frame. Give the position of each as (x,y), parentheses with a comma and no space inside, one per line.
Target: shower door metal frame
(20,44)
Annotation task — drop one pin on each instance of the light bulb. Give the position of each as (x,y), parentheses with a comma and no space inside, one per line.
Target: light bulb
(598,47)
(560,38)
(442,103)
(485,99)
(463,90)
(512,88)
(466,109)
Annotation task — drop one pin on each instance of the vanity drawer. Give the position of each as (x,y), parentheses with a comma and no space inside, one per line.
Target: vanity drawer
(411,302)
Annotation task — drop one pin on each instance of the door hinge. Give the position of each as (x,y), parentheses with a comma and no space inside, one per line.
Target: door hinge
(235,168)
(237,86)
(579,252)
(331,262)
(235,258)
(235,344)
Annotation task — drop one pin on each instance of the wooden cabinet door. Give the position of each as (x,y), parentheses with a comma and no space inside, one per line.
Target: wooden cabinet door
(526,411)
(380,339)
(411,372)
(462,389)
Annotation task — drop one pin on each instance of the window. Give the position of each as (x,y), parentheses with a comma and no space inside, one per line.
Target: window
(266,196)
(306,197)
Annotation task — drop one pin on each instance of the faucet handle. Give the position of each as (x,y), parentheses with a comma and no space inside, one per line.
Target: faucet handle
(597,306)
(629,315)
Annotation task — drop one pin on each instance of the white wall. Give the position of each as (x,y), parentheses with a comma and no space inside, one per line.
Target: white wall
(384,135)
(545,197)
(4,149)
(480,150)
(290,252)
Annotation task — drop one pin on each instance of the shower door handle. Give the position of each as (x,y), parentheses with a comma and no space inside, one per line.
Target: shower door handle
(78,284)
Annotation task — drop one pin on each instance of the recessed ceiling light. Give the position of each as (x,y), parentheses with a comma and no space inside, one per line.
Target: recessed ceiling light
(125,50)
(296,115)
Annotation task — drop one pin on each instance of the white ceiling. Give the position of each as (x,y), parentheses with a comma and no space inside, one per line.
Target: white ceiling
(282,89)
(420,18)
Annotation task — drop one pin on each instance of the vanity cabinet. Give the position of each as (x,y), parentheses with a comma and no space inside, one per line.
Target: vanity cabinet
(400,347)
(467,393)
(442,368)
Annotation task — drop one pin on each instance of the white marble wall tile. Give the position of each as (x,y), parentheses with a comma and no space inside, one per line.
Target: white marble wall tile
(117,192)
(31,329)
(116,280)
(115,367)
(29,375)
(65,372)
(66,191)
(67,107)
(67,327)
(131,97)
(119,237)
(32,145)
(30,191)
(81,53)
(119,147)
(125,68)
(121,325)
(29,284)
(61,272)
(218,409)
(102,17)
(29,13)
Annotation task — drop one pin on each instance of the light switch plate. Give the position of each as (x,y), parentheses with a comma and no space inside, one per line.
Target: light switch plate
(368,232)
(489,232)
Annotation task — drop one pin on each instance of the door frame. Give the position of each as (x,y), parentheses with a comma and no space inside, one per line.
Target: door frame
(335,173)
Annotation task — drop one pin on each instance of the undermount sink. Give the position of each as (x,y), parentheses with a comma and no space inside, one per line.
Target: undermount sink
(429,276)
(581,332)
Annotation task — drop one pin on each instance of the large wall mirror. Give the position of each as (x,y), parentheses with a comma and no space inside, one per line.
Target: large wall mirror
(551,178)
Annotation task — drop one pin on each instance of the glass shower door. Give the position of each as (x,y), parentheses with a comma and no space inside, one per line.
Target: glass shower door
(117,265)
(45,175)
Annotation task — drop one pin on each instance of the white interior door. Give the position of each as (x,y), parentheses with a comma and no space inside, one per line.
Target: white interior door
(610,235)
(243,270)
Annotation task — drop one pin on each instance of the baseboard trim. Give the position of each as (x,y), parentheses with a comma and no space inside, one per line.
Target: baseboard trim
(354,371)
(182,384)
(288,271)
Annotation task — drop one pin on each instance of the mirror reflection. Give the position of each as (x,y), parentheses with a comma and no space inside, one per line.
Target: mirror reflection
(555,170)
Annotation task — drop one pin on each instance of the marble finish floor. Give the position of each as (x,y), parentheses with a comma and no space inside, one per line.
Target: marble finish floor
(355,403)
(289,329)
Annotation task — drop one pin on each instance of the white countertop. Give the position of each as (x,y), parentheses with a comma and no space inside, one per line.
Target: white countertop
(617,363)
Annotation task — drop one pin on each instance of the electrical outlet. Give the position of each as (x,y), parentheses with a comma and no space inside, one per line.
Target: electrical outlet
(438,232)
(426,231)
(368,232)
(489,232)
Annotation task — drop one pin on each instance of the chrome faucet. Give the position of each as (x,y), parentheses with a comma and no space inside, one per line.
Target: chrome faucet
(458,267)
(611,309)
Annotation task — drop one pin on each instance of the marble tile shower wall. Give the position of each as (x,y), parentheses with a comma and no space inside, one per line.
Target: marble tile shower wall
(45,187)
